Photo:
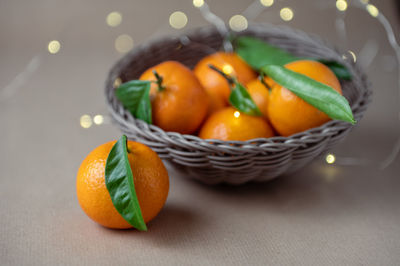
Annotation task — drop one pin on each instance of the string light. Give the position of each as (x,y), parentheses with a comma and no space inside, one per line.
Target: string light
(54,47)
(372,10)
(267,2)
(353,55)
(238,23)
(178,20)
(86,121)
(236,114)
(98,119)
(123,43)
(341,5)
(286,14)
(330,158)
(114,19)
(198,3)
(21,78)
(218,23)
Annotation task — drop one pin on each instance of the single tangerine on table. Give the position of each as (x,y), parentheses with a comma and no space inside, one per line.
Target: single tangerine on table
(288,113)
(229,124)
(181,104)
(150,179)
(216,85)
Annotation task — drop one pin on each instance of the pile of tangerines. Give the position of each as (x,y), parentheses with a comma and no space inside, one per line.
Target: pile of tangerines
(197,102)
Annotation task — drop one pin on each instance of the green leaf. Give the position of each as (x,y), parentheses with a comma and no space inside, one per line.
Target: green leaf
(241,100)
(135,96)
(258,53)
(319,95)
(120,185)
(340,70)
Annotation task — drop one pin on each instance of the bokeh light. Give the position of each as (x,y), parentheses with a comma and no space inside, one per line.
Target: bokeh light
(86,121)
(341,5)
(54,47)
(372,10)
(98,119)
(267,2)
(286,14)
(227,69)
(236,114)
(330,158)
(117,82)
(330,174)
(123,43)
(198,3)
(114,19)
(238,23)
(178,20)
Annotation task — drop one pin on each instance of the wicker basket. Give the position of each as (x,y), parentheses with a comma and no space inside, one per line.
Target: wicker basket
(233,162)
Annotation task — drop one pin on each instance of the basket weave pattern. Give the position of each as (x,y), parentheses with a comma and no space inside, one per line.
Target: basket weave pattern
(234,162)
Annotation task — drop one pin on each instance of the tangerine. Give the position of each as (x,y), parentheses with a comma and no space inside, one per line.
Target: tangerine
(150,179)
(230,124)
(214,83)
(179,103)
(288,113)
(259,93)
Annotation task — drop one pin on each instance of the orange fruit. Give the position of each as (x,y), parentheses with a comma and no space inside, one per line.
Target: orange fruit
(216,85)
(259,93)
(150,179)
(288,113)
(230,124)
(183,103)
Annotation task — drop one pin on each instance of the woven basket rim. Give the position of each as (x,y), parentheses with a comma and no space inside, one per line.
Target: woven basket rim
(295,139)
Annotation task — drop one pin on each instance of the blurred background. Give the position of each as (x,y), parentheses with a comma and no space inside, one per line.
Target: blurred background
(46,87)
(54,59)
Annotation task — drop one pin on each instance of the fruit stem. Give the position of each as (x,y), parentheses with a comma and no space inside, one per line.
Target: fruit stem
(127,149)
(230,79)
(159,81)
(261,77)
